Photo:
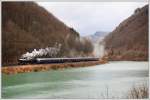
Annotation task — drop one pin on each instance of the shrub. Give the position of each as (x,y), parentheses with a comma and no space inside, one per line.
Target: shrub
(139,92)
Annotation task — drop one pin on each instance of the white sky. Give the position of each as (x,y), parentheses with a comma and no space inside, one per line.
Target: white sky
(89,17)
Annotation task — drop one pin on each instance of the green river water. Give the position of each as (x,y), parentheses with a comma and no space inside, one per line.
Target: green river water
(111,80)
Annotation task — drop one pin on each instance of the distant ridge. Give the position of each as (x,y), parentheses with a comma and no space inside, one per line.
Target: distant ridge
(97,36)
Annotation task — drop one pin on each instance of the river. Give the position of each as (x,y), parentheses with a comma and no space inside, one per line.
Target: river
(111,80)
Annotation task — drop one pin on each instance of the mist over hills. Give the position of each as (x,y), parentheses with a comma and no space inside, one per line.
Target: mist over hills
(97,41)
(129,41)
(97,36)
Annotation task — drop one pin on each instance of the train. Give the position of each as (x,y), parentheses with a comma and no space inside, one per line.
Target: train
(22,61)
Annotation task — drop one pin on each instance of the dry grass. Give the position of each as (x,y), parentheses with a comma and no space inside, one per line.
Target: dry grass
(136,92)
(46,67)
(139,92)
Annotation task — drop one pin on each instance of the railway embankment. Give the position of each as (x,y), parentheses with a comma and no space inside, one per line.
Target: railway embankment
(46,67)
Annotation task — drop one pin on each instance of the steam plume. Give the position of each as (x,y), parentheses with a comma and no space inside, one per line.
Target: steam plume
(47,52)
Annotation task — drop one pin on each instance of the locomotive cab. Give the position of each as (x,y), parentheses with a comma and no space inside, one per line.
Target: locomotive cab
(23,61)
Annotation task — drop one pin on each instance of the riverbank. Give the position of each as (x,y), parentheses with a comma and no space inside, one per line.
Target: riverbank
(45,67)
(127,56)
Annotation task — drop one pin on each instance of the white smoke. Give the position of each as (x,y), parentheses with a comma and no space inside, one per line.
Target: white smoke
(48,51)
(99,48)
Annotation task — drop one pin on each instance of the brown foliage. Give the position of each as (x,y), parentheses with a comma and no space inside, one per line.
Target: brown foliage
(130,37)
(27,26)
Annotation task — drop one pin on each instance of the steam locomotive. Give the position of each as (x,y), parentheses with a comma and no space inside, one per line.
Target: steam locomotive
(55,60)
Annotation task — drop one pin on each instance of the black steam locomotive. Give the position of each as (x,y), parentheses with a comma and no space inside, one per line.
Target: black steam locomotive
(55,60)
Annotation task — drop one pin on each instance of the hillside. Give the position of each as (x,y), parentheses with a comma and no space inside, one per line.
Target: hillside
(27,26)
(129,41)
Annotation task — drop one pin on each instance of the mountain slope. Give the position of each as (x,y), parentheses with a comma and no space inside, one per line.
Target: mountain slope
(129,41)
(26,26)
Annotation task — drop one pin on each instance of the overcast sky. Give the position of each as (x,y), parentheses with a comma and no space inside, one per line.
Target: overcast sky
(87,18)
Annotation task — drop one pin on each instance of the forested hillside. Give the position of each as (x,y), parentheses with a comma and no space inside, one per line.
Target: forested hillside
(129,41)
(27,26)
